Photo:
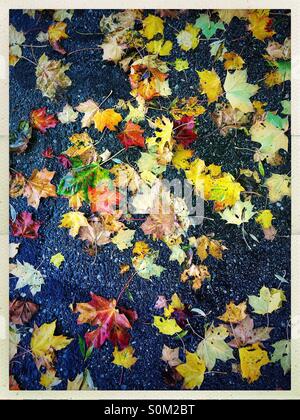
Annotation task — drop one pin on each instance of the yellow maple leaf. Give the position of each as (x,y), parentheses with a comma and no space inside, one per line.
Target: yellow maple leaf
(278,186)
(206,246)
(265,218)
(75,200)
(233,61)
(166,326)
(106,119)
(152,25)
(181,156)
(49,379)
(123,239)
(238,91)
(124,357)
(273,78)
(270,137)
(159,47)
(57,259)
(57,31)
(73,221)
(234,313)
(141,248)
(163,135)
(210,84)
(260,24)
(39,186)
(225,190)
(188,38)
(252,359)
(44,343)
(175,304)
(192,371)
(81,143)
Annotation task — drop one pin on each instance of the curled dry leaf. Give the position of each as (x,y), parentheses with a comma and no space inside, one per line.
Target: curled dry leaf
(21,312)
(196,274)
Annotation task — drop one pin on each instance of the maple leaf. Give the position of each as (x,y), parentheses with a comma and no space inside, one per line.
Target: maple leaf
(44,343)
(192,371)
(225,191)
(260,24)
(73,220)
(124,357)
(68,115)
(207,246)
(25,226)
(89,109)
(279,186)
(57,259)
(123,239)
(282,354)
(265,218)
(197,274)
(57,32)
(27,276)
(244,333)
(166,326)
(160,47)
(227,15)
(95,233)
(208,27)
(82,382)
(252,358)
(233,61)
(63,14)
(234,313)
(238,91)
(181,156)
(145,265)
(21,311)
(17,183)
(269,300)
(82,143)
(102,199)
(132,135)
(152,25)
(126,177)
(210,84)
(41,121)
(240,213)
(214,347)
(107,118)
(170,356)
(184,130)
(188,38)
(186,106)
(50,76)
(112,323)
(227,118)
(113,50)
(48,153)
(19,139)
(181,65)
(270,137)
(49,379)
(64,161)
(39,186)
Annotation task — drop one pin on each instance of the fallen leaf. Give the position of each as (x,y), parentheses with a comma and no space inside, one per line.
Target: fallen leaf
(184,130)
(16,39)
(161,302)
(24,226)
(197,274)
(166,326)
(192,371)
(123,239)
(41,121)
(21,311)
(265,218)
(233,61)
(270,137)
(68,115)
(268,301)
(240,213)
(260,24)
(244,333)
(39,186)
(145,265)
(73,220)
(188,38)
(252,359)
(89,109)
(132,135)
(210,84)
(234,313)
(213,347)
(112,322)
(282,354)
(82,382)
(152,25)
(278,186)
(57,259)
(27,276)
(17,183)
(238,91)
(207,26)
(106,119)
(13,250)
(57,32)
(44,343)
(14,340)
(170,356)
(49,379)
(124,357)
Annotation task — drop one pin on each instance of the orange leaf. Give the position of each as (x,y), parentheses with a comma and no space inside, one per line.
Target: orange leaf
(106,119)
(132,135)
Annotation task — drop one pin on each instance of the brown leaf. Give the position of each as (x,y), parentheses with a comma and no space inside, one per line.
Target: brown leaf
(95,233)
(21,312)
(16,184)
(227,118)
(197,274)
(244,333)
(170,356)
(39,186)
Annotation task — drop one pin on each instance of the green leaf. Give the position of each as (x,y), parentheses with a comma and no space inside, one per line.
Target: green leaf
(284,68)
(282,354)
(81,178)
(286,107)
(277,121)
(81,343)
(89,352)
(261,168)
(207,26)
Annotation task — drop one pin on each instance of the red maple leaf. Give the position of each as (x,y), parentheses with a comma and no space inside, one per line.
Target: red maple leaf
(41,121)
(132,135)
(184,130)
(104,200)
(113,323)
(25,226)
(48,153)
(64,161)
